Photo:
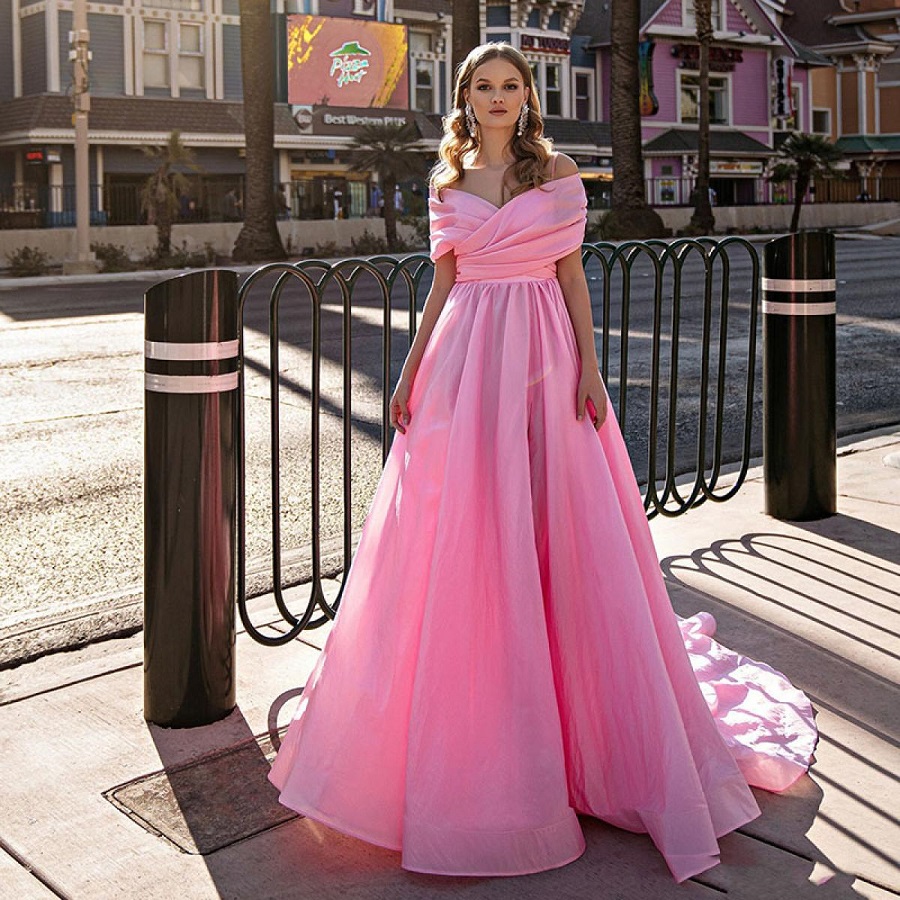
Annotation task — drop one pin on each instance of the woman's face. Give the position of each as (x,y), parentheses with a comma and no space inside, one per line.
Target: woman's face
(496,93)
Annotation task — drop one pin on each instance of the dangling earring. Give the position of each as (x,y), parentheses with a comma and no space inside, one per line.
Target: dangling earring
(471,121)
(523,120)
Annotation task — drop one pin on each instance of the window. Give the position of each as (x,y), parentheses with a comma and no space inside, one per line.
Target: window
(419,42)
(796,104)
(821,121)
(548,86)
(364,7)
(584,100)
(191,64)
(689,19)
(498,16)
(553,90)
(156,54)
(424,86)
(718,99)
(423,69)
(534,19)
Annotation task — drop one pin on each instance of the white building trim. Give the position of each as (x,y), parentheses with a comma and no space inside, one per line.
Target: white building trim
(51,43)
(16,25)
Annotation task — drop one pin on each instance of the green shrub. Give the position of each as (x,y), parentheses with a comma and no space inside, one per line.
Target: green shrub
(28,261)
(326,250)
(597,231)
(421,232)
(113,258)
(179,258)
(368,244)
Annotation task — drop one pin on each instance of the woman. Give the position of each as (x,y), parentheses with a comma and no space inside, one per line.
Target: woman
(505,655)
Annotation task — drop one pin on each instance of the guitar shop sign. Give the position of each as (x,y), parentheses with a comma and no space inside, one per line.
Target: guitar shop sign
(721,59)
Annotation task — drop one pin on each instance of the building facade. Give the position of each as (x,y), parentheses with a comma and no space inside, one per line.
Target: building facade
(174,65)
(855,101)
(164,65)
(759,89)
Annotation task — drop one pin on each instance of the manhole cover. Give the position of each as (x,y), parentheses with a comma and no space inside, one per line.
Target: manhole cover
(210,803)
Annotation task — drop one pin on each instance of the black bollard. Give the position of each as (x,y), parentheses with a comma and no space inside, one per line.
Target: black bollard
(190,405)
(799,434)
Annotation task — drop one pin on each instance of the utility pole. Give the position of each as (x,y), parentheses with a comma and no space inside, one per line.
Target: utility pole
(80,56)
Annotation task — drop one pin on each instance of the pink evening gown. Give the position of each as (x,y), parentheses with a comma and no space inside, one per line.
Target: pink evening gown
(505,655)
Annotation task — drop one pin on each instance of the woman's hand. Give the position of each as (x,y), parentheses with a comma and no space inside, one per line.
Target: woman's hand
(591,396)
(400,406)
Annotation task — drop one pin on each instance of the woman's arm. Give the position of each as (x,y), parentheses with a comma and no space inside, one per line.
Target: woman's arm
(570,272)
(444,279)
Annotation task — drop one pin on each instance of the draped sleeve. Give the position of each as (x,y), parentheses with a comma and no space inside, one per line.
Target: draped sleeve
(441,221)
(525,237)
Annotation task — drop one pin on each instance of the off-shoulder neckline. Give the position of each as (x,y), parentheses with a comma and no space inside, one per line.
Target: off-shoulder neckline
(511,199)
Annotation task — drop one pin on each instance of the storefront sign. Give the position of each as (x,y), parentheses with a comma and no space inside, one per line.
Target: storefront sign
(347,62)
(346,121)
(782,96)
(34,157)
(544,44)
(735,167)
(721,59)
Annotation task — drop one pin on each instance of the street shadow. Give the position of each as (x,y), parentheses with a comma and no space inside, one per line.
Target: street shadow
(213,772)
(826,617)
(211,795)
(858,534)
(54,302)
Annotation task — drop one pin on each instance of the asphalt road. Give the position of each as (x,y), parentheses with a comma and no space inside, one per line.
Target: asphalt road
(72,406)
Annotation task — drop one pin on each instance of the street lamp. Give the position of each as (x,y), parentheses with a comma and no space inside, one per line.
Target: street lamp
(80,56)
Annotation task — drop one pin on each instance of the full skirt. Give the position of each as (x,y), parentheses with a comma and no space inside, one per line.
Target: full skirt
(505,654)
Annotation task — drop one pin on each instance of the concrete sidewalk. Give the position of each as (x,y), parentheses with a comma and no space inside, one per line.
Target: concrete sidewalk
(97,804)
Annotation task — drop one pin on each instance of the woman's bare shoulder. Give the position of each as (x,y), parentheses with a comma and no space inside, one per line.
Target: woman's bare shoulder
(562,166)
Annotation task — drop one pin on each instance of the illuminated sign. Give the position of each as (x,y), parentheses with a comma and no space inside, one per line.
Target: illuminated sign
(34,156)
(721,59)
(339,120)
(346,62)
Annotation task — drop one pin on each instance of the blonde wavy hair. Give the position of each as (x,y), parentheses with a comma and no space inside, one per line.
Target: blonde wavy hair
(531,149)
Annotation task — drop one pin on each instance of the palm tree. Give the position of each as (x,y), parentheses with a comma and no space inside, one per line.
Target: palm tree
(466,30)
(258,238)
(162,191)
(703,221)
(804,157)
(630,216)
(390,151)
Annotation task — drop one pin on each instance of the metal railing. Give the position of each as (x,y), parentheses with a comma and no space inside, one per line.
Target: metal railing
(687,301)
(221,199)
(665,191)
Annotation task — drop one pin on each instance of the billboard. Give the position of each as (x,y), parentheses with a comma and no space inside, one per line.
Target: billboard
(346,62)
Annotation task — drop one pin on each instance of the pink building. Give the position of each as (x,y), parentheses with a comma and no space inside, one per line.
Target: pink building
(759,92)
